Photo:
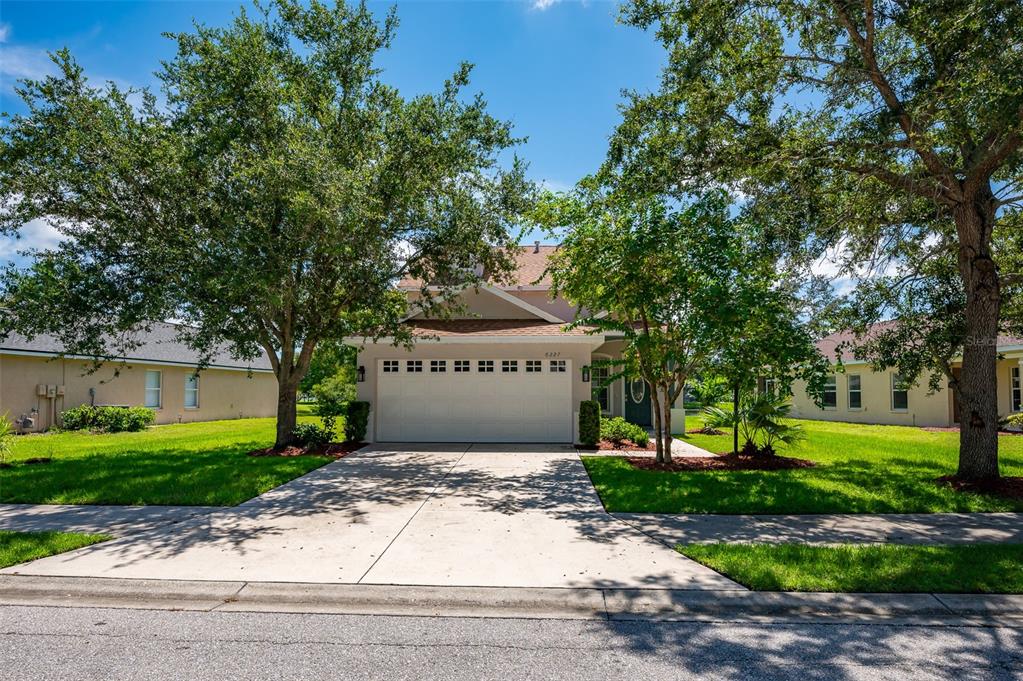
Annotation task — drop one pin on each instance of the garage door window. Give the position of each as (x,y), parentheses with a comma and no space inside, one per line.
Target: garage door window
(533,366)
(438,366)
(390,366)
(461,366)
(485,366)
(414,366)
(557,366)
(509,365)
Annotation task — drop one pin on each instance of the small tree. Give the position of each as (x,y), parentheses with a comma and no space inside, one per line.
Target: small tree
(662,277)
(271,204)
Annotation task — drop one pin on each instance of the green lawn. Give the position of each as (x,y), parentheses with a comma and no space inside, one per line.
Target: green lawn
(201,464)
(18,547)
(977,568)
(863,469)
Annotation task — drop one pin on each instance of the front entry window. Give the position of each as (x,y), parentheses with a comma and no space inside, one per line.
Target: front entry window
(601,391)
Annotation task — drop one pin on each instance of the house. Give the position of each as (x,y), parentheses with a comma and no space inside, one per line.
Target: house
(507,370)
(37,382)
(860,395)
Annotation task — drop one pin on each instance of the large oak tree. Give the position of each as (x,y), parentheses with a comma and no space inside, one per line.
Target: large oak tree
(859,127)
(270,202)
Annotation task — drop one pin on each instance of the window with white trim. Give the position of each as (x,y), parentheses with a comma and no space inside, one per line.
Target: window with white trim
(1017,390)
(485,366)
(154,389)
(461,366)
(601,390)
(534,366)
(509,366)
(192,391)
(390,366)
(831,392)
(438,366)
(557,366)
(855,392)
(900,393)
(414,366)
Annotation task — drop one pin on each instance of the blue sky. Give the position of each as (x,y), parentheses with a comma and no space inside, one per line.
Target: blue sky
(554,68)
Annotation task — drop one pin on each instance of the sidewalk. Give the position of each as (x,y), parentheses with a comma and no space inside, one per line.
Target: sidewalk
(529,603)
(113,520)
(903,528)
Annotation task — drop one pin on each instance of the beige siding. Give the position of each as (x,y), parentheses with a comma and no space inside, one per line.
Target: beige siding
(483,305)
(578,353)
(223,394)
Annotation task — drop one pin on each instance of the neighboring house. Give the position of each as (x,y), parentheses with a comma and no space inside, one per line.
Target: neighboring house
(860,395)
(37,382)
(506,371)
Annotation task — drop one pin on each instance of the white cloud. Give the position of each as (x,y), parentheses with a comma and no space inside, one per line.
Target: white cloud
(35,234)
(541,5)
(5,32)
(25,62)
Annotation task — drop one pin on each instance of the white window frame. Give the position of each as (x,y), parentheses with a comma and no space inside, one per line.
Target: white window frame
(896,378)
(438,366)
(858,390)
(1016,389)
(833,382)
(598,376)
(463,366)
(413,366)
(392,366)
(159,389)
(485,366)
(192,390)
(509,366)
(534,366)
(558,366)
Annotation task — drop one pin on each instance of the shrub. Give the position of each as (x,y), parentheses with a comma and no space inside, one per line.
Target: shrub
(6,438)
(356,421)
(617,431)
(1012,422)
(761,422)
(589,423)
(117,419)
(333,394)
(107,419)
(82,417)
(311,435)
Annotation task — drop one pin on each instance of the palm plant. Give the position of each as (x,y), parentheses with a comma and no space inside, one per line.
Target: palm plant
(761,422)
(6,439)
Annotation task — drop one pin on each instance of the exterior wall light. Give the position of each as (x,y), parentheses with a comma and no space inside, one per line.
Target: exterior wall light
(361,374)
(586,373)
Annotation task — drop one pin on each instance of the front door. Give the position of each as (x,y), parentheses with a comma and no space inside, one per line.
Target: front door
(637,403)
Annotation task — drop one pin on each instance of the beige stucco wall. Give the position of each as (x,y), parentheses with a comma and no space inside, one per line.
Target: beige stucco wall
(577,352)
(924,409)
(223,394)
(557,306)
(482,305)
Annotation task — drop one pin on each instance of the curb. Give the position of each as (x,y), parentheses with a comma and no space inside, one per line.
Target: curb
(530,603)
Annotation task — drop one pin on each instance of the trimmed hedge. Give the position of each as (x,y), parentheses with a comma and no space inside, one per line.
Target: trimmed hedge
(107,419)
(589,423)
(356,421)
(617,431)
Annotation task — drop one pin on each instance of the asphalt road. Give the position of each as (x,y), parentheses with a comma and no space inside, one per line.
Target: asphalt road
(92,643)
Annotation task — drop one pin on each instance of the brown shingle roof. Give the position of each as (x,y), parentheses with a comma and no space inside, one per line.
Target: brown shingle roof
(490,327)
(829,344)
(530,265)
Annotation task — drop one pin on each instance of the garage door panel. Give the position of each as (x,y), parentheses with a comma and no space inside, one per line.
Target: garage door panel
(473,406)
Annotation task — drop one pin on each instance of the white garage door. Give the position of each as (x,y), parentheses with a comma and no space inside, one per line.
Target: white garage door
(489,400)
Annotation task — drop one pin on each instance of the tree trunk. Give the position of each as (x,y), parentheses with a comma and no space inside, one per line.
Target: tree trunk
(287,413)
(978,391)
(657,424)
(735,419)
(666,426)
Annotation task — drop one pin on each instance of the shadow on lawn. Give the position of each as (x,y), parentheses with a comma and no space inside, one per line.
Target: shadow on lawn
(852,486)
(221,476)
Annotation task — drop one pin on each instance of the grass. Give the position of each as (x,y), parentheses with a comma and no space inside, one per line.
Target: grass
(18,547)
(888,568)
(182,464)
(861,469)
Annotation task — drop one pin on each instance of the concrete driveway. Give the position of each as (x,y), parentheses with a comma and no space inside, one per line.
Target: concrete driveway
(448,515)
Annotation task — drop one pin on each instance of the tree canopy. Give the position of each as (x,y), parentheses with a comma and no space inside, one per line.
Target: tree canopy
(270,203)
(884,133)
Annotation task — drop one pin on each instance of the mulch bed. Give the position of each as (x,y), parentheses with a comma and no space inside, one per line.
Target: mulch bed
(608,446)
(704,431)
(37,459)
(722,462)
(1007,487)
(334,449)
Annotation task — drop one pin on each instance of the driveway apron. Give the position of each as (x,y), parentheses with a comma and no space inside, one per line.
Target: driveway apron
(448,515)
